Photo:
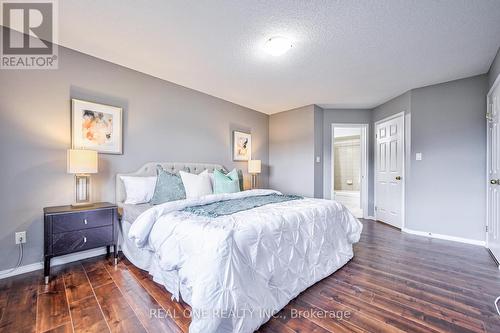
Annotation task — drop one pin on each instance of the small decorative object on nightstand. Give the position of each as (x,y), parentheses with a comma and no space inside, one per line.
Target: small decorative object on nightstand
(254,168)
(69,229)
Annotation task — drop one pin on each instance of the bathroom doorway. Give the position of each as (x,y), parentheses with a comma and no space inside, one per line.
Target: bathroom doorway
(349,167)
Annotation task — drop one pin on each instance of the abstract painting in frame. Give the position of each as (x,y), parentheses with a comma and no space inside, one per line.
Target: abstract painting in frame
(96,126)
(242,146)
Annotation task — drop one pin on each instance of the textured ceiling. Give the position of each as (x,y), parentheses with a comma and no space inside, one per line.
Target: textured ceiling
(346,54)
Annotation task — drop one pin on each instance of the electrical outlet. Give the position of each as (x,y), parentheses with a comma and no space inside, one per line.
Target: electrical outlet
(20,237)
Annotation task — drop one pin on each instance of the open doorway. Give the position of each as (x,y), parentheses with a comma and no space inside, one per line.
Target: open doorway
(349,167)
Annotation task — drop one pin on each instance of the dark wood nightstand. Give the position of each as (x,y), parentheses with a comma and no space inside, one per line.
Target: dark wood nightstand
(69,229)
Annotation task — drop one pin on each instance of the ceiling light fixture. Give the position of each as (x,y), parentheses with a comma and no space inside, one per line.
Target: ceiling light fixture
(277,46)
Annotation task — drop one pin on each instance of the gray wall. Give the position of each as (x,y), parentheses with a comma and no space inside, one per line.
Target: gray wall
(396,105)
(494,69)
(445,192)
(162,122)
(297,137)
(291,151)
(345,116)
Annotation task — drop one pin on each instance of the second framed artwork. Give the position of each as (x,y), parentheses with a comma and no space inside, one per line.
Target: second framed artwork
(242,146)
(96,127)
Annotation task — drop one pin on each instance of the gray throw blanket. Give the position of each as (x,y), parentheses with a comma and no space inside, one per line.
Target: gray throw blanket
(228,207)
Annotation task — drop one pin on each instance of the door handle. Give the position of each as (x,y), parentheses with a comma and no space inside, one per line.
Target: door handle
(398,178)
(495,181)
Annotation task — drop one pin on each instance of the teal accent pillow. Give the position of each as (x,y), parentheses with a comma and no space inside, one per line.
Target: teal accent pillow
(169,187)
(229,183)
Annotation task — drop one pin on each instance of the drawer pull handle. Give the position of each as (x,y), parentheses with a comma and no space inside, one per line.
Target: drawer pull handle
(85,239)
(85,221)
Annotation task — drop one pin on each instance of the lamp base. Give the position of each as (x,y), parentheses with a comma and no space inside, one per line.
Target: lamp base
(253,184)
(82,191)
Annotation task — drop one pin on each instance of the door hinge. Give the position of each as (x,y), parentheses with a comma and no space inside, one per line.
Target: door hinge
(486,228)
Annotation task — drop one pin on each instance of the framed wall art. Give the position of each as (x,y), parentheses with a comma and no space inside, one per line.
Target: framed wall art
(242,146)
(97,127)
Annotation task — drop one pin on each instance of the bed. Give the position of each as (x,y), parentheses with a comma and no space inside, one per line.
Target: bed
(237,269)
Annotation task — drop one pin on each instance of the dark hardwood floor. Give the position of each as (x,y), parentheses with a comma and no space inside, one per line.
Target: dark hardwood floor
(395,283)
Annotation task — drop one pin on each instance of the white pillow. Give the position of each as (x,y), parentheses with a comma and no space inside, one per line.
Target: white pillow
(138,189)
(196,185)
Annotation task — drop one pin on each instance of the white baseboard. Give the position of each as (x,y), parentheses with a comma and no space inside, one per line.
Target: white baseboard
(350,194)
(445,237)
(370,218)
(21,270)
(54,262)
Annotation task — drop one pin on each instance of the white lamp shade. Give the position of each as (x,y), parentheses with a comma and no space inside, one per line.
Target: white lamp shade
(254,166)
(82,161)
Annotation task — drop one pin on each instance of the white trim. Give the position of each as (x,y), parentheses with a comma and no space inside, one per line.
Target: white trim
(406,154)
(488,156)
(352,194)
(444,237)
(406,161)
(54,262)
(365,128)
(21,270)
(394,116)
(370,218)
(495,84)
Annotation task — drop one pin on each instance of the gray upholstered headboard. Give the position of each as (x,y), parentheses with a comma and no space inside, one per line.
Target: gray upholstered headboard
(149,169)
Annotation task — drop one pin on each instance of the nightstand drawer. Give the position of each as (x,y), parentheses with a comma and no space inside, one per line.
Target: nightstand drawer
(81,220)
(66,242)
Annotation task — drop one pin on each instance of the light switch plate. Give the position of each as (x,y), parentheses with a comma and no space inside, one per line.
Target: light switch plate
(318,159)
(418,156)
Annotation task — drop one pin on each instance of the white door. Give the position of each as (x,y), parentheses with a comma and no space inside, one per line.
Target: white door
(389,157)
(493,157)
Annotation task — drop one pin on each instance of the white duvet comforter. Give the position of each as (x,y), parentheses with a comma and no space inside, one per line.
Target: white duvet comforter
(242,268)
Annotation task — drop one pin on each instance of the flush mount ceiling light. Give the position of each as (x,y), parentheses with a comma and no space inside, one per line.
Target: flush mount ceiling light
(277,46)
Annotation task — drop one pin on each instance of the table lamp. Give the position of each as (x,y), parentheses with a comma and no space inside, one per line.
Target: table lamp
(82,163)
(254,168)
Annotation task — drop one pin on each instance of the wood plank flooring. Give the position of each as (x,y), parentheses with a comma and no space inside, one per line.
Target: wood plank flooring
(395,283)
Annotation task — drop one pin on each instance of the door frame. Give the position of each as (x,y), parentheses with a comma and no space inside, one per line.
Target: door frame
(364,163)
(406,144)
(488,151)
